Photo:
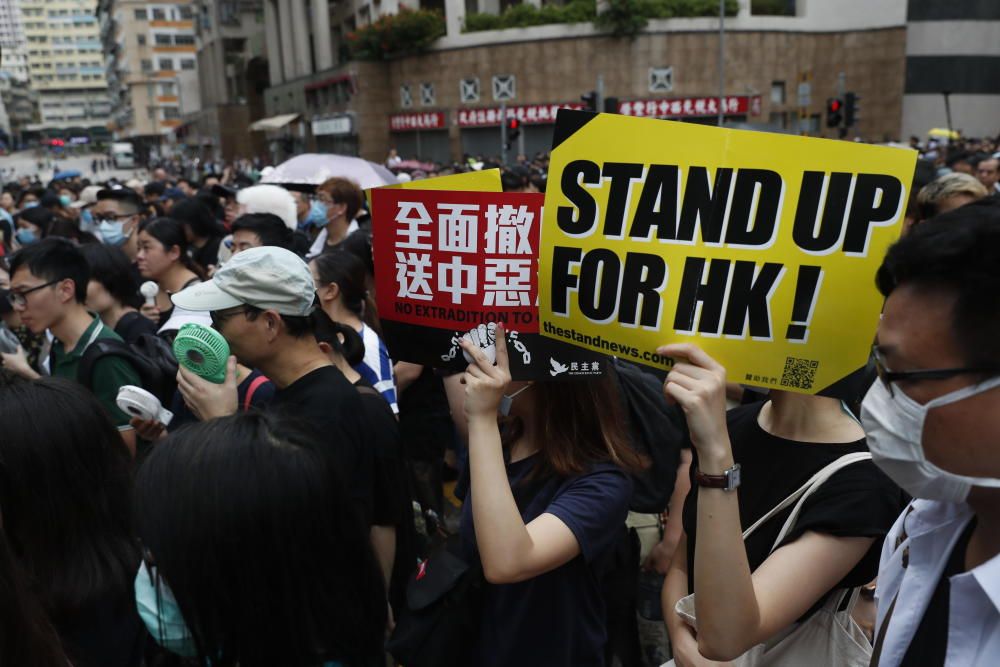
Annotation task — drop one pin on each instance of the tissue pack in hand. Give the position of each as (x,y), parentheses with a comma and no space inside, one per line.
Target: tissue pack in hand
(203,351)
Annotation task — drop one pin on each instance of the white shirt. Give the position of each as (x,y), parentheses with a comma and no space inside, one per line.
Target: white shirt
(924,537)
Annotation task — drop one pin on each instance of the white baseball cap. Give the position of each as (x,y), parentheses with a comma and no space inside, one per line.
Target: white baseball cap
(269,278)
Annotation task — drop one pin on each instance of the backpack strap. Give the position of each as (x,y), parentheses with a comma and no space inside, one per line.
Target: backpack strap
(799,496)
(251,390)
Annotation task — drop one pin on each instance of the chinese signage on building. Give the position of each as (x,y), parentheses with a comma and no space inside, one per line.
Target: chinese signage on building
(427,120)
(689,107)
(529,114)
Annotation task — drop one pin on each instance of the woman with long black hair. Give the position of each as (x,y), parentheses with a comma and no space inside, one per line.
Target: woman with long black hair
(254,555)
(65,498)
(163,258)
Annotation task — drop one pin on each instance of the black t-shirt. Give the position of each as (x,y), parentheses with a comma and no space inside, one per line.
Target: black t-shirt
(324,403)
(104,633)
(929,645)
(425,419)
(262,396)
(857,501)
(132,325)
(392,502)
(208,254)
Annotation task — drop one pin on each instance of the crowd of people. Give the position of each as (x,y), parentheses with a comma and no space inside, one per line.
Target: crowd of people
(298,512)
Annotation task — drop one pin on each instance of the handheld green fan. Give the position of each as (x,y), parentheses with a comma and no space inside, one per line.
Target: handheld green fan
(203,351)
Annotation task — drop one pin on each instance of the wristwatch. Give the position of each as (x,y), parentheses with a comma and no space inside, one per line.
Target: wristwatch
(729,480)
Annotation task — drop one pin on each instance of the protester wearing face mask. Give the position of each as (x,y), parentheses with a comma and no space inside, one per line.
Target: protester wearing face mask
(33,225)
(342,199)
(67,510)
(545,504)
(84,204)
(117,215)
(230,580)
(933,420)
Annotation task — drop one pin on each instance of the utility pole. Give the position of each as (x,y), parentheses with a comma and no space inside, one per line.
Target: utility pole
(503,133)
(600,93)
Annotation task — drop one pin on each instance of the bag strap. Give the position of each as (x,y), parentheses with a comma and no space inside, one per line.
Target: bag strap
(880,640)
(803,492)
(251,390)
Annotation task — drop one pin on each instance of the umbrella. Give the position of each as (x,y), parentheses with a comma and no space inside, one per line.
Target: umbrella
(942,133)
(314,168)
(63,175)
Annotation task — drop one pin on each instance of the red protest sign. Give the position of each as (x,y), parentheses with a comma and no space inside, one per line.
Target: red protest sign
(451,263)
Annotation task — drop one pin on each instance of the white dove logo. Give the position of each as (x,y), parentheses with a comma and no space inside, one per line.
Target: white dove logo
(557,368)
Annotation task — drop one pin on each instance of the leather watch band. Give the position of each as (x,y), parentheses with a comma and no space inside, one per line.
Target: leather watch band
(728,480)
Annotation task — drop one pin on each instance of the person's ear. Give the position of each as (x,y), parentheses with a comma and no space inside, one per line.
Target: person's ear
(66,290)
(325,347)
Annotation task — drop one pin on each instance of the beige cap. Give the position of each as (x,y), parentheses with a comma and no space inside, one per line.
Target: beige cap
(269,278)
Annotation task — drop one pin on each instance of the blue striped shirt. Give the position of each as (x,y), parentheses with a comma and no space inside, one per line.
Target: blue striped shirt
(376,367)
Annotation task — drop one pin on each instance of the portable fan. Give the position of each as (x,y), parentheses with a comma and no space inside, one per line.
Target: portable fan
(203,351)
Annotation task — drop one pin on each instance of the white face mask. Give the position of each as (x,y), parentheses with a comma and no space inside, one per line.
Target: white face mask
(894,425)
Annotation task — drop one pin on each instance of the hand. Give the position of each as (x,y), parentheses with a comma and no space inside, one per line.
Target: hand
(698,384)
(149,430)
(484,382)
(150,312)
(17,363)
(208,400)
(660,556)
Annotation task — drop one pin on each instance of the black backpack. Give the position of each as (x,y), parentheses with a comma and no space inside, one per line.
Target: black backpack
(150,356)
(656,430)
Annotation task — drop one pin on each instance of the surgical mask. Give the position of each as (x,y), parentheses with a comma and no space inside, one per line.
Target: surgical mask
(86,219)
(112,232)
(31,204)
(65,200)
(894,424)
(317,214)
(508,401)
(25,236)
(159,611)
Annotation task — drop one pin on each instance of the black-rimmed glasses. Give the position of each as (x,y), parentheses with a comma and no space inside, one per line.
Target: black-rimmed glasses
(889,377)
(20,300)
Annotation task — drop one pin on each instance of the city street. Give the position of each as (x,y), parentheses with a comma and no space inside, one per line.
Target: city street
(25,163)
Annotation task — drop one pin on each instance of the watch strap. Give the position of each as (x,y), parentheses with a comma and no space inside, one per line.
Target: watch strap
(728,480)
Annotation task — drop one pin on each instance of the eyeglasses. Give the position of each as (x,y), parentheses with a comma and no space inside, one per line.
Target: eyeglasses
(19,299)
(888,377)
(324,198)
(219,318)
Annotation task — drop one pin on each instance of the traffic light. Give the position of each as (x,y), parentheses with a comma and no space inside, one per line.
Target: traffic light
(834,111)
(590,100)
(850,109)
(610,105)
(513,132)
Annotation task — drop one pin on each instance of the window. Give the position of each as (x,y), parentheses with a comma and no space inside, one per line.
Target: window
(159,15)
(469,89)
(150,113)
(162,40)
(171,113)
(166,63)
(167,88)
(777,92)
(504,87)
(147,65)
(184,40)
(405,96)
(141,39)
(185,12)
(427,94)
(661,79)
(187,63)
(140,14)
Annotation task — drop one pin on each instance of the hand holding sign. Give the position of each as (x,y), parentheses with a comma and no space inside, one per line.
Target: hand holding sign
(698,384)
(485,383)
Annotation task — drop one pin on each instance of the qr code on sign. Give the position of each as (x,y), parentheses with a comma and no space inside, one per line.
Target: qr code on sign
(799,373)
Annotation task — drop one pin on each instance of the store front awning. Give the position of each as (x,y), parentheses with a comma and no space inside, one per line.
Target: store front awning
(273,123)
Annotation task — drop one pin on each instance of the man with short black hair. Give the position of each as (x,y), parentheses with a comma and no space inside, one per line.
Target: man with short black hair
(932,421)
(254,230)
(261,301)
(48,290)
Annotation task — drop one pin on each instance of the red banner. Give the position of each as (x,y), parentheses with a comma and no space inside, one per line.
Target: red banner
(427,120)
(687,107)
(529,114)
(451,265)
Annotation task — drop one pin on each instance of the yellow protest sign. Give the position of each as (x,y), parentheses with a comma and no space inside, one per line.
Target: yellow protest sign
(760,248)
(487,180)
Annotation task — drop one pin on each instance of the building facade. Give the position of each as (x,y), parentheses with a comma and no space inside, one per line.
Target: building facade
(445,103)
(233,74)
(152,68)
(66,67)
(953,48)
(13,41)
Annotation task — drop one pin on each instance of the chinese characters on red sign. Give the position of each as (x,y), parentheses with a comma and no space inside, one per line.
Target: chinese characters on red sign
(529,114)
(691,107)
(456,259)
(429,120)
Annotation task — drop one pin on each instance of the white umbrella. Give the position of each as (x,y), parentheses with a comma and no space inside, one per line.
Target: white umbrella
(314,168)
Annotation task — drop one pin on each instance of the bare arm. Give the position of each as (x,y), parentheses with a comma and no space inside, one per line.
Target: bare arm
(383,540)
(406,374)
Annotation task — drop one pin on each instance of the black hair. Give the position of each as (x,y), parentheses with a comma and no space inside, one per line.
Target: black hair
(351,348)
(297,326)
(54,259)
(271,229)
(133,203)
(26,634)
(348,272)
(957,252)
(291,579)
(111,267)
(359,244)
(212,202)
(65,490)
(170,233)
(36,192)
(199,217)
